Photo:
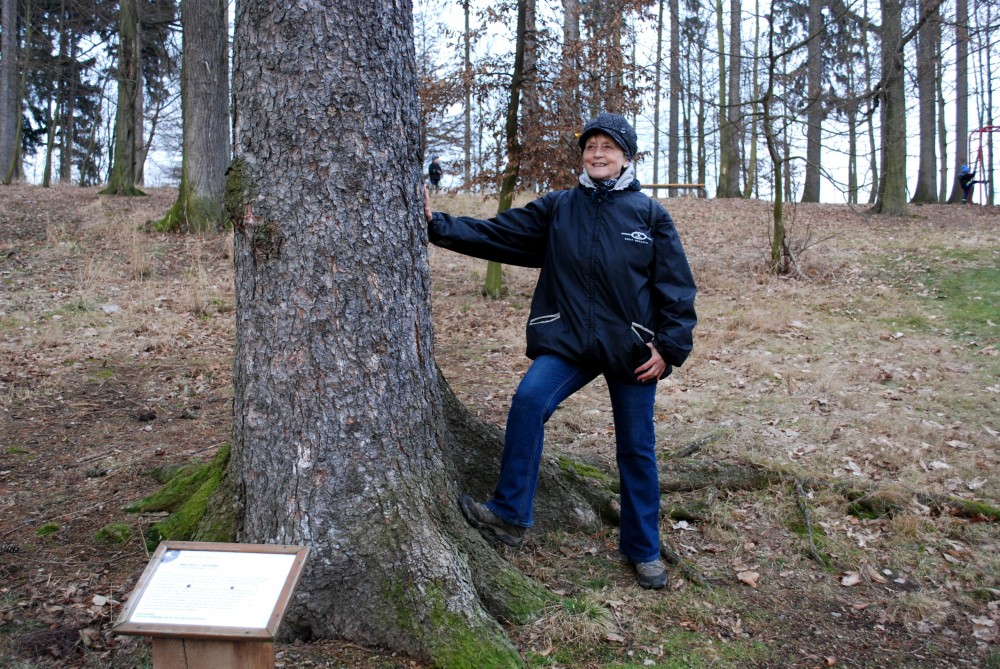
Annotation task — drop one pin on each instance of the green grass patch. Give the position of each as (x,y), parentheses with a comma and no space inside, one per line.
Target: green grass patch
(679,649)
(115,533)
(970,301)
(818,540)
(102,374)
(74,307)
(964,283)
(47,529)
(15,450)
(10,323)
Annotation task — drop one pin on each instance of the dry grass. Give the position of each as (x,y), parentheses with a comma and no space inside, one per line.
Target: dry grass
(858,373)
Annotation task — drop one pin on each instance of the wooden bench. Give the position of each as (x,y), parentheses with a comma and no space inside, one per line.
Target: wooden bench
(700,188)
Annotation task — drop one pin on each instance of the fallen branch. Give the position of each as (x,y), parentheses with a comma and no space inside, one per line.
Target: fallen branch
(697,445)
(687,571)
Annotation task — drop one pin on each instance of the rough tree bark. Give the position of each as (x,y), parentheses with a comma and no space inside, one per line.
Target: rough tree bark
(205,102)
(891,198)
(345,437)
(926,189)
(10,112)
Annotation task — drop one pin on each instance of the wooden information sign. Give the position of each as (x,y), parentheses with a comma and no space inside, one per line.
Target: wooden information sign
(213,605)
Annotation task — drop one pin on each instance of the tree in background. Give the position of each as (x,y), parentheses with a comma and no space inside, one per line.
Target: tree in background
(961,95)
(730,114)
(10,108)
(493,286)
(928,37)
(695,33)
(673,124)
(815,104)
(158,80)
(891,195)
(569,102)
(124,160)
(14,85)
(205,102)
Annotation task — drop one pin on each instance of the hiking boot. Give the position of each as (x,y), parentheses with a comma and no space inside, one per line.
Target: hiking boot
(480,517)
(651,575)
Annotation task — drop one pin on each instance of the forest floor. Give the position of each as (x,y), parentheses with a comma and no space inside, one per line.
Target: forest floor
(875,368)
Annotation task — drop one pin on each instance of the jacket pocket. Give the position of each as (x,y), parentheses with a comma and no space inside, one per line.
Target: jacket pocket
(544,320)
(642,333)
(641,336)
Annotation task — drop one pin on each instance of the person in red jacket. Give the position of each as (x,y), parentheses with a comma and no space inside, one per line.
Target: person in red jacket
(615,297)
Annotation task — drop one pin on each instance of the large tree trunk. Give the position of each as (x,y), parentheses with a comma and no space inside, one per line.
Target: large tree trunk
(12,91)
(891,198)
(926,190)
(10,112)
(123,169)
(814,111)
(205,103)
(345,437)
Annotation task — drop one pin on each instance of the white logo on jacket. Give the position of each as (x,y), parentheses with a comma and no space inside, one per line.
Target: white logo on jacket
(638,237)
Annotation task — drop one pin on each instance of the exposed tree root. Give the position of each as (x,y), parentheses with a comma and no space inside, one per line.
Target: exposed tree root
(687,570)
(814,553)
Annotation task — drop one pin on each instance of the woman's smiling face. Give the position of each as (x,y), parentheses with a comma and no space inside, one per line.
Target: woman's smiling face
(602,157)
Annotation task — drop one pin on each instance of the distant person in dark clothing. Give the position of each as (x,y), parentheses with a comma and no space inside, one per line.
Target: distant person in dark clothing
(967,178)
(435,172)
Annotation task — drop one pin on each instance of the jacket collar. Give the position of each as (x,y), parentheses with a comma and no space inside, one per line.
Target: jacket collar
(624,182)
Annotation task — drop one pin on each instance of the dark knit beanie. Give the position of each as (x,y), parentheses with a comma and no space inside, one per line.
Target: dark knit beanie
(615,127)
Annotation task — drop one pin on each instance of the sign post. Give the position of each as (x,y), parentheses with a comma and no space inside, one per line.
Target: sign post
(213,605)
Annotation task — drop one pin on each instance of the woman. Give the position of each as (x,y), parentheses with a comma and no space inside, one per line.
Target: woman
(615,297)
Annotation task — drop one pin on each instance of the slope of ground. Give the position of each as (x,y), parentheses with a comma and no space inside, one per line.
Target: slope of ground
(877,369)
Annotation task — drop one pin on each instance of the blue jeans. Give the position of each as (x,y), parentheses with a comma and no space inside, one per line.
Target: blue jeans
(549,381)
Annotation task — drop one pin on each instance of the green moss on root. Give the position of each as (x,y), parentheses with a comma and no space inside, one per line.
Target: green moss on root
(186,496)
(451,640)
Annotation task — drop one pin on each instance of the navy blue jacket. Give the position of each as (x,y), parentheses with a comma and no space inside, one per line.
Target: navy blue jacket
(614,275)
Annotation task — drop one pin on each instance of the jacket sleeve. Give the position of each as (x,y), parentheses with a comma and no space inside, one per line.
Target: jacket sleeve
(673,292)
(517,236)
